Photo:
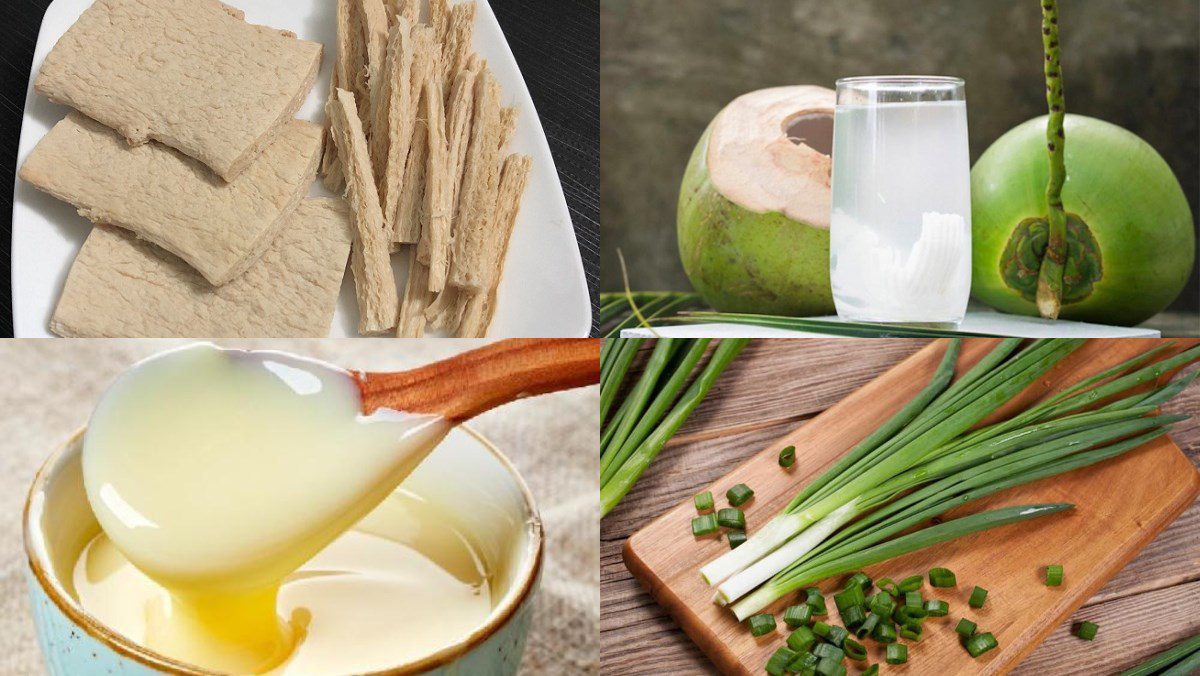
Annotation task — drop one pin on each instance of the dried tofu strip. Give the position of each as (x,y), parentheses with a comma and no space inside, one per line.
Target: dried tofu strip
(439,20)
(375,42)
(416,298)
(458,131)
(409,9)
(477,201)
(433,249)
(445,311)
(369,259)
(456,48)
(407,221)
(513,179)
(406,154)
(389,103)
(508,125)
(331,168)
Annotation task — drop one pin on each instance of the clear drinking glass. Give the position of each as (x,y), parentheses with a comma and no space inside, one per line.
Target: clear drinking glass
(900,232)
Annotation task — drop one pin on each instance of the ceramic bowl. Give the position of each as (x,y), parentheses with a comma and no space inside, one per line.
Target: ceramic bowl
(507,531)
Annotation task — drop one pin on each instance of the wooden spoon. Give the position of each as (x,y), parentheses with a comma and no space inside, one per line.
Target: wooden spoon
(463,386)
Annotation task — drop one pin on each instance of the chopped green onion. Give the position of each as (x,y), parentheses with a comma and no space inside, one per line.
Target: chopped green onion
(978,596)
(980,644)
(787,457)
(801,639)
(739,494)
(837,635)
(937,608)
(861,579)
(762,624)
(778,664)
(822,629)
(887,584)
(912,631)
(849,597)
(704,525)
(704,501)
(884,633)
(965,628)
(855,650)
(830,667)
(1054,576)
(854,616)
(942,577)
(829,650)
(732,518)
(872,670)
(883,604)
(736,538)
(897,653)
(913,599)
(803,662)
(910,584)
(816,600)
(864,630)
(798,615)
(1086,630)
(906,614)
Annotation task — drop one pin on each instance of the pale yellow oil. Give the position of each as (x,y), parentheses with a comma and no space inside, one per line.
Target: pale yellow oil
(226,484)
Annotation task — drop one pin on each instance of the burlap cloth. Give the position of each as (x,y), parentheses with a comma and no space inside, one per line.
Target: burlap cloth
(50,386)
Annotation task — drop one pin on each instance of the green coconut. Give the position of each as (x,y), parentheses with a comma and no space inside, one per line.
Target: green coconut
(1131,243)
(1100,233)
(753,217)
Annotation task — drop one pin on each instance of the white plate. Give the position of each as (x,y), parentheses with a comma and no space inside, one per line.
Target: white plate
(543,293)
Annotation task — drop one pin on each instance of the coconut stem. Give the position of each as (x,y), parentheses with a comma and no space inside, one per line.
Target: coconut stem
(1050,276)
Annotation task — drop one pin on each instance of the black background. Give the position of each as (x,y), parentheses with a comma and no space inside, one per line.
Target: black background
(556,43)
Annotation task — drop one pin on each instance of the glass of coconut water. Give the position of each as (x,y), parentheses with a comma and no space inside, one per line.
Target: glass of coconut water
(900,231)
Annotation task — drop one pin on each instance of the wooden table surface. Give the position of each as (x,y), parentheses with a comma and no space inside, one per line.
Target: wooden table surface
(1147,607)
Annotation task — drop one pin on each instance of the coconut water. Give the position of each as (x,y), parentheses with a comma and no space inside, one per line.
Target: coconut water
(900,232)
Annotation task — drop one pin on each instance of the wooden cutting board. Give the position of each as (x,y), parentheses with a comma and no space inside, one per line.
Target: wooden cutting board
(1121,505)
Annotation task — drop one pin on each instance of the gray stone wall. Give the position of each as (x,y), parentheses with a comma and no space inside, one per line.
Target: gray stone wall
(668,66)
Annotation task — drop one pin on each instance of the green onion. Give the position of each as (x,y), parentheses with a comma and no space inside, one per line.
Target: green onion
(853,616)
(897,653)
(885,632)
(815,600)
(762,624)
(887,584)
(913,599)
(739,494)
(1086,630)
(778,664)
(731,517)
(868,626)
(980,644)
(704,501)
(822,629)
(861,579)
(978,596)
(837,635)
(830,667)
(942,578)
(849,597)
(829,650)
(937,608)
(704,525)
(910,584)
(965,628)
(801,639)
(908,613)
(736,538)
(872,670)
(654,411)
(855,650)
(1175,657)
(883,604)
(797,616)
(911,631)
(787,457)
(1054,576)
(803,662)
